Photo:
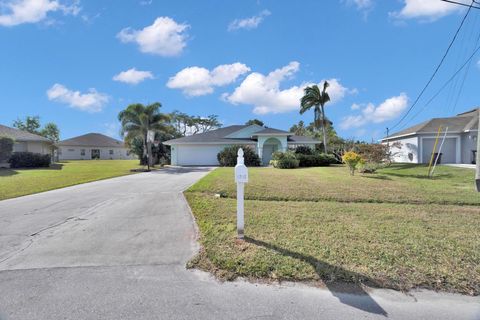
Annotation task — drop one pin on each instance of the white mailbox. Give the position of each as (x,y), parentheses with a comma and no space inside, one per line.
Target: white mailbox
(241,177)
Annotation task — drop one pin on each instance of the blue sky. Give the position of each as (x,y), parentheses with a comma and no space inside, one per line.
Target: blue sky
(78,63)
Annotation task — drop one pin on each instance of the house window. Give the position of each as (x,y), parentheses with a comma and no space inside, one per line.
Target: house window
(82,152)
(71,150)
(111,151)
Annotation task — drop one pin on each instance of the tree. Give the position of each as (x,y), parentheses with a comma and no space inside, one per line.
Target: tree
(185,124)
(316,99)
(255,121)
(31,124)
(51,132)
(137,120)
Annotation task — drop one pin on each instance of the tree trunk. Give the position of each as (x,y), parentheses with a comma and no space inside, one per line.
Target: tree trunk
(324,129)
(149,151)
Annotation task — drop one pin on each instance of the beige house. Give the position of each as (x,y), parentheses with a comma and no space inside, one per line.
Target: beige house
(92,146)
(26,141)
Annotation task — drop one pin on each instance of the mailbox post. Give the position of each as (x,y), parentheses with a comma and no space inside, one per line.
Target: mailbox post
(241,177)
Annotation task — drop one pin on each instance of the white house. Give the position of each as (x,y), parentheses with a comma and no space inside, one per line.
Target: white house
(415,144)
(26,141)
(202,149)
(93,146)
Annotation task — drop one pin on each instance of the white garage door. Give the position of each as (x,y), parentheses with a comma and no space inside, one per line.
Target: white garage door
(449,149)
(199,155)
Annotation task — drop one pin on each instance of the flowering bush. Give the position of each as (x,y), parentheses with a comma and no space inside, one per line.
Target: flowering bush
(352,160)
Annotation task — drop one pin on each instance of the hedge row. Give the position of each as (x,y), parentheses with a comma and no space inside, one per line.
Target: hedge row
(29,160)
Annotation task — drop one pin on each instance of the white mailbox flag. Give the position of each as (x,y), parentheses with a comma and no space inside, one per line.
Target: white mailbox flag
(241,177)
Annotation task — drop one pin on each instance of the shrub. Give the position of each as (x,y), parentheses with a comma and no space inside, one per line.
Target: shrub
(304,150)
(278,155)
(6,148)
(368,167)
(29,160)
(352,159)
(228,156)
(315,160)
(286,161)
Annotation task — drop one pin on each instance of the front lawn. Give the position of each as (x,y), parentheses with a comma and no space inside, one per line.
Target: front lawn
(400,183)
(400,241)
(20,182)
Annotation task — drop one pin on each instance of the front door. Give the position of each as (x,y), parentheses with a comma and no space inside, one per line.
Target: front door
(268,149)
(95,153)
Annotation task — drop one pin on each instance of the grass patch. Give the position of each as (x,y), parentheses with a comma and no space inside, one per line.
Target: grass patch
(20,182)
(395,229)
(396,184)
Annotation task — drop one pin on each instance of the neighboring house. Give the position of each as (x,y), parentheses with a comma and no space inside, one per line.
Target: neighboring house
(416,143)
(202,149)
(26,141)
(92,146)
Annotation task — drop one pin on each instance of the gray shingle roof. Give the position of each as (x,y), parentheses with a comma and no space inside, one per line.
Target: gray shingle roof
(219,137)
(271,131)
(92,140)
(460,123)
(20,135)
(302,139)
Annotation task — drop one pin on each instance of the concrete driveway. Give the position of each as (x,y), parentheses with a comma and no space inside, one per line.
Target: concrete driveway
(116,249)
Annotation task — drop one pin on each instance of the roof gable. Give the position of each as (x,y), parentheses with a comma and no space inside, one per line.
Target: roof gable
(246,132)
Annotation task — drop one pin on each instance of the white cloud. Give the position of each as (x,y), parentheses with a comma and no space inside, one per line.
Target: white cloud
(248,23)
(429,10)
(355,106)
(360,4)
(164,37)
(387,110)
(17,12)
(265,94)
(92,101)
(197,81)
(133,76)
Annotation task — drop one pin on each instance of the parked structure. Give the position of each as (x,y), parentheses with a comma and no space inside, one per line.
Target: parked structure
(416,143)
(92,146)
(202,149)
(26,141)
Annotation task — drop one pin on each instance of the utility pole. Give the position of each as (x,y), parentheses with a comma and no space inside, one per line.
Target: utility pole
(388,134)
(477,161)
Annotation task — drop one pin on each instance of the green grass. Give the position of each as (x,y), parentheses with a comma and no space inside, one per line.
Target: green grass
(400,241)
(396,184)
(20,182)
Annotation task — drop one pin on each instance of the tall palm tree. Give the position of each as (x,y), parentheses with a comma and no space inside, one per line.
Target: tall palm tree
(314,98)
(137,120)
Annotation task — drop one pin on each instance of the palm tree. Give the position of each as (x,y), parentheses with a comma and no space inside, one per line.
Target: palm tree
(314,98)
(137,120)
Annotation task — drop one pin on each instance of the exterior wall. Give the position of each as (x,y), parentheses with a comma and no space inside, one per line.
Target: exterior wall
(275,143)
(32,146)
(469,143)
(408,151)
(75,153)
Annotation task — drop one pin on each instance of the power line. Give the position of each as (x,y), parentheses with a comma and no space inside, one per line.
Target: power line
(463,4)
(448,81)
(437,68)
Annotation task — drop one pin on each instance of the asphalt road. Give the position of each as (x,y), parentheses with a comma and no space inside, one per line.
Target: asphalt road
(116,249)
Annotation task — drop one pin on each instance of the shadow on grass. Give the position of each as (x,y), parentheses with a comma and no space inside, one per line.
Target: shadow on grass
(420,176)
(377,177)
(5,172)
(351,294)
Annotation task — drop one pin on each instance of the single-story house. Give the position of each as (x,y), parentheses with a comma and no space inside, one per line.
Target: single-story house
(202,149)
(92,146)
(26,141)
(415,144)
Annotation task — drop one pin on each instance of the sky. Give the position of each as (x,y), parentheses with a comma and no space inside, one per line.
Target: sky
(79,62)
